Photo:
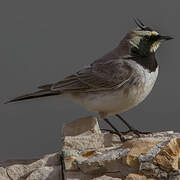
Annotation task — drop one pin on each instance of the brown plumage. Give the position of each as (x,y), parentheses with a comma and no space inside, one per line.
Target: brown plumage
(111,72)
(37,94)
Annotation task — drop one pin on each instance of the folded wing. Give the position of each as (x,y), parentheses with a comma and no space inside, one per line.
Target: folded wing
(97,77)
(100,76)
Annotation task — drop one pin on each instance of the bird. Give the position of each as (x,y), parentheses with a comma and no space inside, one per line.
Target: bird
(116,82)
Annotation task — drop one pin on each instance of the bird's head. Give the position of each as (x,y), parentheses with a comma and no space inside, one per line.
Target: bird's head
(144,40)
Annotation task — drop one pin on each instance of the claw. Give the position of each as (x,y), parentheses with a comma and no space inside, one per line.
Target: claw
(135,131)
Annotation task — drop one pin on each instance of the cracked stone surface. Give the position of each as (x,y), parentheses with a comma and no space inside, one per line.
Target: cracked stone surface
(90,154)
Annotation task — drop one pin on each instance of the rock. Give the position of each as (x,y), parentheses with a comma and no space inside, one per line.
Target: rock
(154,156)
(17,171)
(79,143)
(136,177)
(3,172)
(47,160)
(81,126)
(135,146)
(83,136)
(107,161)
(16,161)
(169,155)
(90,154)
(3,178)
(175,178)
(45,173)
(106,178)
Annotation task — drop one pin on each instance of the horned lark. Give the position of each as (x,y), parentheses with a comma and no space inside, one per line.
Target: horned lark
(116,82)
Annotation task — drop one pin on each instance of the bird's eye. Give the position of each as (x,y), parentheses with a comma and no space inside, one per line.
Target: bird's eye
(155,38)
(147,37)
(151,38)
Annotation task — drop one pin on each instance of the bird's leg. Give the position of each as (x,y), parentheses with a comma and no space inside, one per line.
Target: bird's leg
(123,139)
(131,129)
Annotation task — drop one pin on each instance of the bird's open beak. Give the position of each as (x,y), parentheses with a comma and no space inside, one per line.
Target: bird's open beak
(165,38)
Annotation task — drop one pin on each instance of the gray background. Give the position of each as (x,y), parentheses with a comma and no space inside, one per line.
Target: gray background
(43,41)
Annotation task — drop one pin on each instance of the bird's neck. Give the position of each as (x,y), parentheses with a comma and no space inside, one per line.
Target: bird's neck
(145,58)
(148,62)
(124,51)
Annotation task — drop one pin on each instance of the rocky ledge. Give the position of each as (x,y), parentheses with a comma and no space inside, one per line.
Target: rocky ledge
(87,153)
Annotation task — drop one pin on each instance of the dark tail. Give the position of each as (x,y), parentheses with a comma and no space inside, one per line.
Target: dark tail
(37,94)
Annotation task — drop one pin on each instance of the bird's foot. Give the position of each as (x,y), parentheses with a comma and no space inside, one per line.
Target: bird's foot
(121,136)
(131,129)
(135,131)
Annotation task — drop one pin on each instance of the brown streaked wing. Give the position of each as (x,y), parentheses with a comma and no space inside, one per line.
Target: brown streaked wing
(97,77)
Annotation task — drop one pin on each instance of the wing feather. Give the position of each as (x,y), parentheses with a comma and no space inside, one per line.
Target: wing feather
(97,77)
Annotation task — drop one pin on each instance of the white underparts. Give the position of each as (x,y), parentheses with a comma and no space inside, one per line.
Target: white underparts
(123,99)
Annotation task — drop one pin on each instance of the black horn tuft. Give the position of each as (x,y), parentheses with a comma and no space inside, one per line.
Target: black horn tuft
(139,23)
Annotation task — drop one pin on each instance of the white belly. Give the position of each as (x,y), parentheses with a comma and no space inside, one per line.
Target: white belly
(121,100)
